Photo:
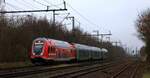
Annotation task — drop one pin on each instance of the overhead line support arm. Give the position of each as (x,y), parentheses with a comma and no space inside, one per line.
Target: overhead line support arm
(33,11)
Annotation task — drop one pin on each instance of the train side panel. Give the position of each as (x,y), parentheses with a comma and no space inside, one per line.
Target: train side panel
(83,55)
(51,50)
(56,50)
(82,52)
(96,55)
(65,51)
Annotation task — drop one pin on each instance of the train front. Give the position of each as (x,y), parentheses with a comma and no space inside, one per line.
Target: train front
(38,53)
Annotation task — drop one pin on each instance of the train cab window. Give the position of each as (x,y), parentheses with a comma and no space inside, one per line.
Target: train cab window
(38,48)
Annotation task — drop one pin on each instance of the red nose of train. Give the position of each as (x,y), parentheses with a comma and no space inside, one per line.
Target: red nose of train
(37,48)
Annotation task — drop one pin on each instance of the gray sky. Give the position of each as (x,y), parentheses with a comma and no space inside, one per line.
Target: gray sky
(119,16)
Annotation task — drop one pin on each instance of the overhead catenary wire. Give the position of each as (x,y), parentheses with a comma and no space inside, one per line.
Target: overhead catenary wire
(80,23)
(10,8)
(65,17)
(40,3)
(69,6)
(30,4)
(82,15)
(56,5)
(53,4)
(13,6)
(27,4)
(48,4)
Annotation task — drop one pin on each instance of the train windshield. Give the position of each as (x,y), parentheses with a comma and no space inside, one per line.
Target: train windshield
(38,48)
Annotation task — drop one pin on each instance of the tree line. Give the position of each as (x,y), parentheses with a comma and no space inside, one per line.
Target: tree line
(18,32)
(143,28)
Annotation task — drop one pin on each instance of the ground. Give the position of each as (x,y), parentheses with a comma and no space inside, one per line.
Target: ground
(146,75)
(14,64)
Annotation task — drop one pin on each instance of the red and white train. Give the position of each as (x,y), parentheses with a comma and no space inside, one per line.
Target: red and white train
(45,50)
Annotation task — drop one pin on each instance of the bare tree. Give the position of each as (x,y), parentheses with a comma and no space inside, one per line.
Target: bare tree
(143,28)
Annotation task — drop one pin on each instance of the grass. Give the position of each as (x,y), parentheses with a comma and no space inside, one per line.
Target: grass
(15,65)
(146,75)
(147,71)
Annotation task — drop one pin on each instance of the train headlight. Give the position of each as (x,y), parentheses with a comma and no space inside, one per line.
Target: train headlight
(33,53)
(42,53)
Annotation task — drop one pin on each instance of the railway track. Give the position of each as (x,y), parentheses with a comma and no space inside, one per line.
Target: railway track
(82,71)
(127,71)
(41,69)
(134,71)
(33,70)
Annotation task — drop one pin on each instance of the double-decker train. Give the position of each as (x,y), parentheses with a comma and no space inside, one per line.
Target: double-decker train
(51,50)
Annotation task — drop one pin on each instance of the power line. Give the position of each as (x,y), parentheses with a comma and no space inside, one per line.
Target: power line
(65,17)
(15,7)
(53,10)
(49,4)
(26,4)
(80,23)
(73,22)
(53,4)
(30,4)
(40,3)
(81,15)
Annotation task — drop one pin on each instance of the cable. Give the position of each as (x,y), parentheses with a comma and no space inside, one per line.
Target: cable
(9,8)
(49,3)
(53,4)
(65,17)
(40,3)
(30,4)
(24,4)
(17,8)
(80,23)
(77,21)
(82,15)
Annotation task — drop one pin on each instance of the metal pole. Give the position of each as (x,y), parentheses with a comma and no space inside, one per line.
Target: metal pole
(73,24)
(102,45)
(54,17)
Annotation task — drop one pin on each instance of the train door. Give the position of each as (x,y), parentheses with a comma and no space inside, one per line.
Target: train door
(52,52)
(63,54)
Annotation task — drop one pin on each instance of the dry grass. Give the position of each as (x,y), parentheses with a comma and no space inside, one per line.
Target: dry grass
(146,75)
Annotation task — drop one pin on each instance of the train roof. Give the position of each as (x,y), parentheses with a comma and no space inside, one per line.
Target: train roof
(57,43)
(82,46)
(64,44)
(96,49)
(104,50)
(40,39)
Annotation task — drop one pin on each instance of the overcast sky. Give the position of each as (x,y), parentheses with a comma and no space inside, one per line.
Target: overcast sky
(117,16)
